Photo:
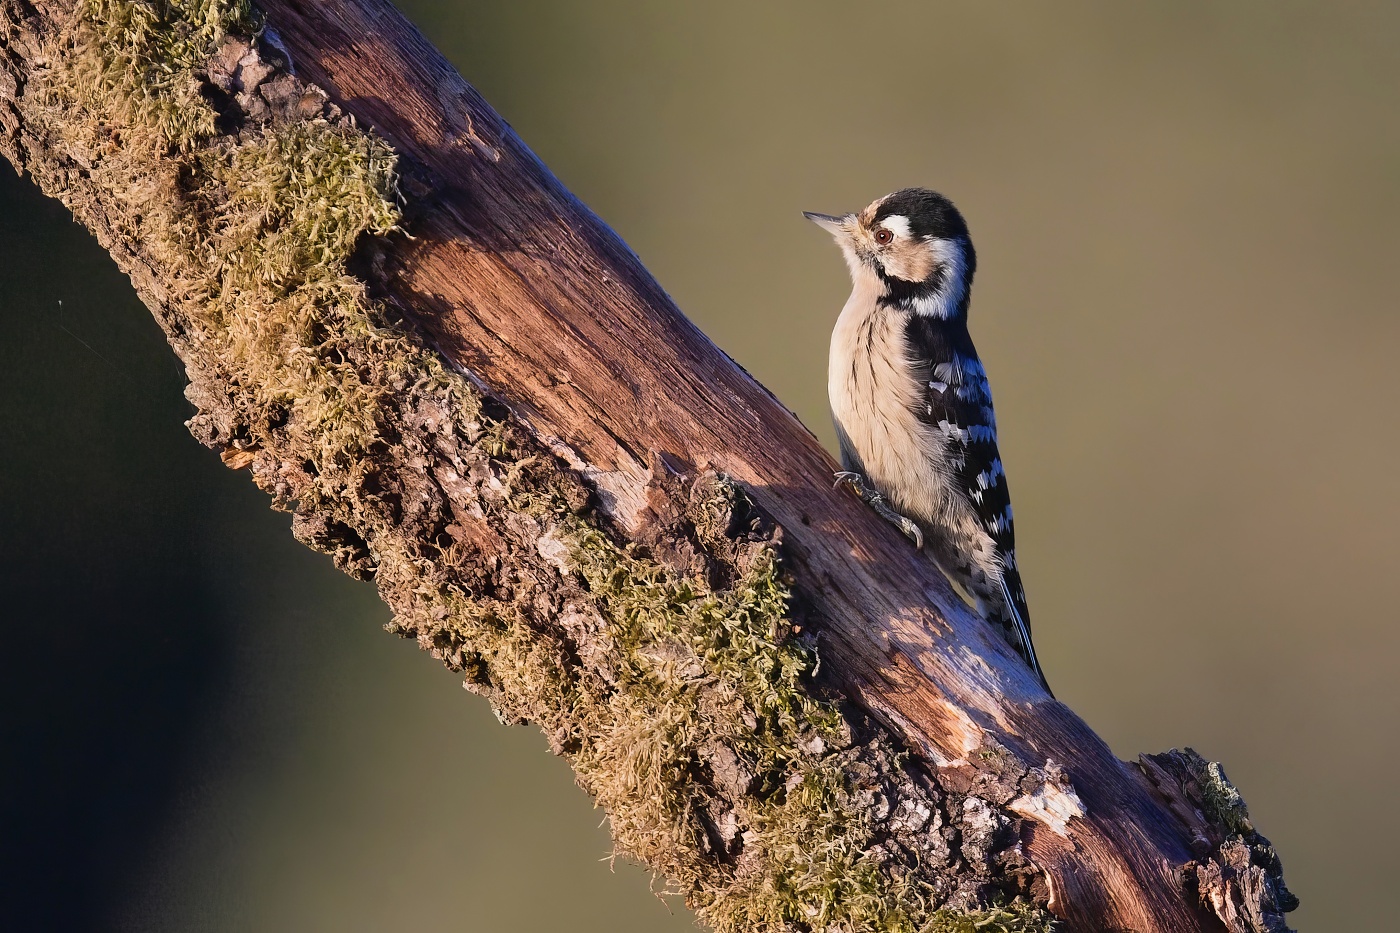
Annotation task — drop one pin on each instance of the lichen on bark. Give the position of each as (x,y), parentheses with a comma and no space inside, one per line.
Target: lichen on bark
(667,669)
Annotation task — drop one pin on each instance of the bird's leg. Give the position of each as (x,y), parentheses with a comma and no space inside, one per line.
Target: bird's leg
(856,483)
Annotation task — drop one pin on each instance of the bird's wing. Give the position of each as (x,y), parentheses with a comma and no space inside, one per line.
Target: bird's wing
(957,403)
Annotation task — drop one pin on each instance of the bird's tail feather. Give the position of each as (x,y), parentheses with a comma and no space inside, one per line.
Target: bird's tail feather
(1023,635)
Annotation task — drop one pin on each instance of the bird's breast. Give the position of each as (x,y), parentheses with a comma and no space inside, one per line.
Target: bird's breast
(874,394)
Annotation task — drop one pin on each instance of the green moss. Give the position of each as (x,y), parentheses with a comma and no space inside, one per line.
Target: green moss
(148,51)
(251,240)
(1223,804)
(1016,918)
(691,667)
(696,666)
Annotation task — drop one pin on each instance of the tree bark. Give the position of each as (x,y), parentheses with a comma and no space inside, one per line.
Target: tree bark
(586,388)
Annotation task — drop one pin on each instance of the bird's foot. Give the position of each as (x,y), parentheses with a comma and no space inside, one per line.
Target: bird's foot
(856,483)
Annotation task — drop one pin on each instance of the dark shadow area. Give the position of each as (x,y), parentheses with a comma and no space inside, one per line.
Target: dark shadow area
(111,649)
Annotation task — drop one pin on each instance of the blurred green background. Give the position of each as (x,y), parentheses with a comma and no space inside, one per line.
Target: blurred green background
(1186,216)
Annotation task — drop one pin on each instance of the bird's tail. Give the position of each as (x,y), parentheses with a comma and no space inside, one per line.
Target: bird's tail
(1016,609)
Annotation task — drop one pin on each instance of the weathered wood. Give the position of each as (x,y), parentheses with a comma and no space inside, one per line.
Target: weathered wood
(519,285)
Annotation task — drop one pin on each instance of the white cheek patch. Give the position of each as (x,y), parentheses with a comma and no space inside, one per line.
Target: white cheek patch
(897,224)
(944,302)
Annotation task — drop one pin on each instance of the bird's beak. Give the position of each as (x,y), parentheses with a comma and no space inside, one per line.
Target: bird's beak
(839,227)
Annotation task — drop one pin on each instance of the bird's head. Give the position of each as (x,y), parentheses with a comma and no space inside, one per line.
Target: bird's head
(912,247)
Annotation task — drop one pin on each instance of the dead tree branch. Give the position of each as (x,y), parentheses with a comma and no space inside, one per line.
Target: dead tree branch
(466,387)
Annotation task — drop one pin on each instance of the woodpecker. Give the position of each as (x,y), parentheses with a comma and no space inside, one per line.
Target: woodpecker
(911,402)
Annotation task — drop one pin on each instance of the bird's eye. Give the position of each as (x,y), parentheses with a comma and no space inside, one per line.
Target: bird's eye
(883,236)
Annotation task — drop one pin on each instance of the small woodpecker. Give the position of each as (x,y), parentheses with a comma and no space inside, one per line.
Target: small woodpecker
(911,402)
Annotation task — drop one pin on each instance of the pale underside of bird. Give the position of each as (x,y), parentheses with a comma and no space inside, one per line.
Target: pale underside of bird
(911,401)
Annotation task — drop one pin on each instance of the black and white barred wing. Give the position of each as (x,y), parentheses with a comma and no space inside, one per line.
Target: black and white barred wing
(958,404)
(959,407)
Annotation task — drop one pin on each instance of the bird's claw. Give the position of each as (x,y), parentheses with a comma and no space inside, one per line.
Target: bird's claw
(906,525)
(856,482)
(851,479)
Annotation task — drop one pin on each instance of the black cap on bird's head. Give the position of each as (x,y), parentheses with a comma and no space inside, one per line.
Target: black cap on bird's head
(915,244)
(929,213)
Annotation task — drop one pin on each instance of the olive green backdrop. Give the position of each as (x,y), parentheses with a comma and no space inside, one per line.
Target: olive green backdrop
(1186,216)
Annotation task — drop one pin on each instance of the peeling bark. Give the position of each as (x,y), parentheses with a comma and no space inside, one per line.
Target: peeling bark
(565,492)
